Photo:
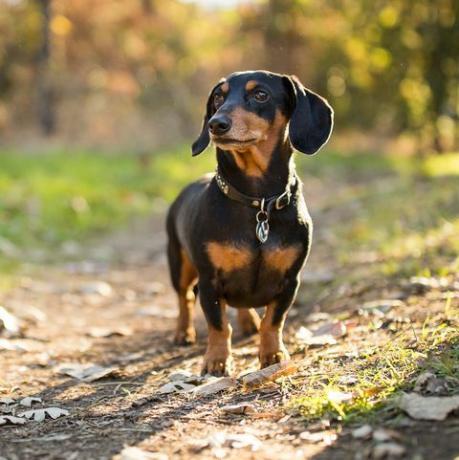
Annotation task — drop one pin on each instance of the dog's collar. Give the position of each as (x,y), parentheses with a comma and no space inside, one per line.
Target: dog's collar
(264,204)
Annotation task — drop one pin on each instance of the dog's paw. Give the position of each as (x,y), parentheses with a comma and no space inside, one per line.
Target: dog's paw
(269,357)
(185,337)
(217,365)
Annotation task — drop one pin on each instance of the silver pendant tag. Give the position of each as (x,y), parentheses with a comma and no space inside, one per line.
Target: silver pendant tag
(262,230)
(262,227)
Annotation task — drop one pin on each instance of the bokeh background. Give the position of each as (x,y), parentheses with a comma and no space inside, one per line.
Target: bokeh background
(133,74)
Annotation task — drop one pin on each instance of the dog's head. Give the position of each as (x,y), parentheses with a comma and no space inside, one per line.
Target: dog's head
(244,108)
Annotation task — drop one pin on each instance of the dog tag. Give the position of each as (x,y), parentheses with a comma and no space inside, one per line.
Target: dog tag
(262,230)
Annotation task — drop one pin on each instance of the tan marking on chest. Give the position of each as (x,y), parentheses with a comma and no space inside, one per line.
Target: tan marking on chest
(228,257)
(282,258)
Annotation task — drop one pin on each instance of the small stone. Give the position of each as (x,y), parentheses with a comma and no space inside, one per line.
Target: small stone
(363,432)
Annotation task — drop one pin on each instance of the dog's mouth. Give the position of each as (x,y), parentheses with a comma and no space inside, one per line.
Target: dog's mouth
(227,141)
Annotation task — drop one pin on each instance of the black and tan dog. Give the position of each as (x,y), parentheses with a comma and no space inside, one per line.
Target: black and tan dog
(240,237)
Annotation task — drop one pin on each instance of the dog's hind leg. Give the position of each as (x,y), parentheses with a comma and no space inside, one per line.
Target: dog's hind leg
(184,277)
(249,321)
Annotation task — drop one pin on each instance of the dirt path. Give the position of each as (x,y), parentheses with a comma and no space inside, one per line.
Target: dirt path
(115,308)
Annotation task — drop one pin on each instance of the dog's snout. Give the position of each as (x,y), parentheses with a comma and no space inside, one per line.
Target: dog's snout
(219,124)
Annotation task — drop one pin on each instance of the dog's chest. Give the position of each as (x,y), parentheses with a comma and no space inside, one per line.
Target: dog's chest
(252,274)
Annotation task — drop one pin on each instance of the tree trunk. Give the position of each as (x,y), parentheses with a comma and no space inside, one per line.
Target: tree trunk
(45,91)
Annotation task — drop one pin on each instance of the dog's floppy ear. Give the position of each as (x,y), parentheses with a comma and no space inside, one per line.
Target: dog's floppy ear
(311,120)
(201,143)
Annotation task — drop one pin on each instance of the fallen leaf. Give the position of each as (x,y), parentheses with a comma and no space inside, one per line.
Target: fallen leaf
(175,387)
(8,345)
(339,397)
(85,372)
(180,375)
(8,321)
(430,383)
(429,407)
(38,415)
(336,329)
(29,400)
(379,307)
(234,440)
(104,332)
(384,434)
(362,432)
(97,287)
(348,380)
(307,337)
(388,449)
(240,409)
(324,436)
(215,386)
(135,453)
(270,373)
(5,419)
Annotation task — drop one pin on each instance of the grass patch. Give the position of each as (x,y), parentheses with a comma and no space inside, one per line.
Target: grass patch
(50,198)
(379,374)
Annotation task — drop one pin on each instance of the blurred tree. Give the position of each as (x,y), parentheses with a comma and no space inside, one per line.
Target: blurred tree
(45,90)
(142,68)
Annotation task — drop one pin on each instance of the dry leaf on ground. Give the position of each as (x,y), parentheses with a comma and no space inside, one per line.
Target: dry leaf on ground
(175,387)
(104,332)
(135,453)
(388,450)
(215,386)
(339,397)
(269,373)
(362,432)
(325,437)
(10,419)
(38,415)
(85,372)
(8,321)
(97,287)
(239,409)
(234,440)
(428,407)
(29,400)
(427,382)
(307,337)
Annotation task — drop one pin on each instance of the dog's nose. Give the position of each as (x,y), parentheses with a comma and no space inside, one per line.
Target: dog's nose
(219,124)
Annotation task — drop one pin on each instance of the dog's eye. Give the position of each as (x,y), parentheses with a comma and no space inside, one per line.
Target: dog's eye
(218,100)
(261,96)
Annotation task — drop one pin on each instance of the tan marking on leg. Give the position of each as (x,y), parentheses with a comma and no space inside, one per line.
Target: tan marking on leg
(248,320)
(254,159)
(228,257)
(186,333)
(282,258)
(250,85)
(272,349)
(217,360)
(225,87)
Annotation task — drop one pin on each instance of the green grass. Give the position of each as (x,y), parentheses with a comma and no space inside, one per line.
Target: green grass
(50,198)
(380,374)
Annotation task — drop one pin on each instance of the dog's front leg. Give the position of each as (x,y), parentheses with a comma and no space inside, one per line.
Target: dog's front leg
(217,360)
(272,349)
